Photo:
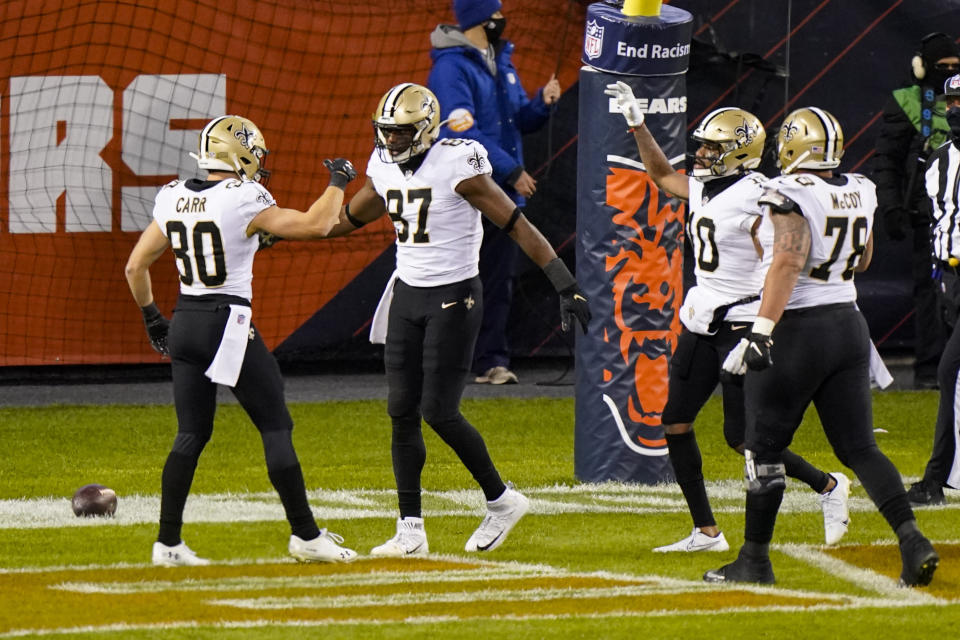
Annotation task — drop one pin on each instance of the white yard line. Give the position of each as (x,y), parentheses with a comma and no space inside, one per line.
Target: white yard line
(341,504)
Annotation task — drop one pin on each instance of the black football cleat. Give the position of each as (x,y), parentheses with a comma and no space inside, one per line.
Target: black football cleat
(925,493)
(743,570)
(919,560)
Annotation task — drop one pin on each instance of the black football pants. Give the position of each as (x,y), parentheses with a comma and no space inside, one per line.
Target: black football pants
(431,333)
(195,333)
(944,464)
(820,355)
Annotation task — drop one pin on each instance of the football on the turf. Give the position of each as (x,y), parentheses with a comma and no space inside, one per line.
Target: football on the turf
(94,500)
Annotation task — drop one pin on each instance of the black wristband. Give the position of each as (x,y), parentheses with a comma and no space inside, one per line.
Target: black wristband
(507,228)
(351,219)
(559,276)
(339,180)
(150,312)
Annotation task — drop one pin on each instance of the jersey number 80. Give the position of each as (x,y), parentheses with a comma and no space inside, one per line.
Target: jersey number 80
(204,230)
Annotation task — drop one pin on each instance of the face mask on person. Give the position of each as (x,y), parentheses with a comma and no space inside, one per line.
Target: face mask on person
(494,29)
(953,119)
(940,73)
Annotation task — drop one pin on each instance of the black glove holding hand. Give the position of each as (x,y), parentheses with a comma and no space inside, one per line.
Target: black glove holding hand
(341,172)
(758,354)
(895,221)
(265,239)
(157,327)
(573,304)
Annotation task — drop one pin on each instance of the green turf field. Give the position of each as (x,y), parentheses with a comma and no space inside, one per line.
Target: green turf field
(579,565)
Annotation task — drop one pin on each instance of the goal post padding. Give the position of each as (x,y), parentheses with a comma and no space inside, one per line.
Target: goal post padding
(629,244)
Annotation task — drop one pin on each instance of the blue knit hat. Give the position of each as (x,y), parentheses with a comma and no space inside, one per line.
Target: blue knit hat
(470,13)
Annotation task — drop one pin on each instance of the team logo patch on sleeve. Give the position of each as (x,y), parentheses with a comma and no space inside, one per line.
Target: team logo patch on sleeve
(477,162)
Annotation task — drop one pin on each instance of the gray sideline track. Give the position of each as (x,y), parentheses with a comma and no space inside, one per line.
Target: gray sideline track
(537,379)
(549,378)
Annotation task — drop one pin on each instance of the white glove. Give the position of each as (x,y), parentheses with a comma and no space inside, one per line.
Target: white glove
(626,102)
(734,364)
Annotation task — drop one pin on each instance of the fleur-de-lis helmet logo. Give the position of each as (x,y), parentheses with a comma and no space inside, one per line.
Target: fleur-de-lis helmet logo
(243,135)
(428,106)
(789,130)
(744,133)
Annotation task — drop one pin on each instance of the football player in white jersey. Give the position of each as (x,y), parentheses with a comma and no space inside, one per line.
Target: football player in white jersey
(212,225)
(809,343)
(721,225)
(434,192)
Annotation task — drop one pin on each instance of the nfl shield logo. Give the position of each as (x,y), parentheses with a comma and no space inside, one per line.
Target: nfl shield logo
(593,41)
(952,86)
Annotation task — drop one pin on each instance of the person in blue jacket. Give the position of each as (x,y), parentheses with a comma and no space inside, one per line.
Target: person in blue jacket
(481,97)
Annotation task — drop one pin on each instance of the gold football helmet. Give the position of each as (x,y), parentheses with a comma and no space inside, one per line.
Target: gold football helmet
(739,135)
(408,108)
(234,144)
(809,138)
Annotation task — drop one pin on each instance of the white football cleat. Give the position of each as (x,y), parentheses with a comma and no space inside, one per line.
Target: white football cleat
(502,514)
(411,540)
(324,548)
(697,541)
(836,515)
(176,556)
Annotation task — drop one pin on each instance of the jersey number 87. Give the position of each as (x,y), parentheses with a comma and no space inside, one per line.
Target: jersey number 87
(395,210)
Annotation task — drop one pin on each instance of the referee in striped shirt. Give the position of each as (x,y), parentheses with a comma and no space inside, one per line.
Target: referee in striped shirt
(943,188)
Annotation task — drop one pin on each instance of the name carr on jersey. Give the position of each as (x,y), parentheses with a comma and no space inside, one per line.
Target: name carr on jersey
(191,205)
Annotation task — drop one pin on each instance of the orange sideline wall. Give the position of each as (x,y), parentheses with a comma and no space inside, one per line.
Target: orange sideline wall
(308,73)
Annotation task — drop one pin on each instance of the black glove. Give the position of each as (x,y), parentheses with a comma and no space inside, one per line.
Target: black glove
(757,355)
(157,327)
(341,172)
(266,239)
(573,304)
(572,301)
(895,221)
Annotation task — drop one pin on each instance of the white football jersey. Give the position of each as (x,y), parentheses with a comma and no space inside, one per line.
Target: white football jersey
(726,263)
(206,223)
(438,231)
(841,220)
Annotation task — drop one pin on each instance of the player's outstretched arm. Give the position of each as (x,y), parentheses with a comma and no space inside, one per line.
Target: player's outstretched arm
(317,221)
(484,194)
(651,155)
(365,206)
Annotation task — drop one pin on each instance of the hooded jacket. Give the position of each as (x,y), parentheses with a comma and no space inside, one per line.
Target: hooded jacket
(901,153)
(502,112)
